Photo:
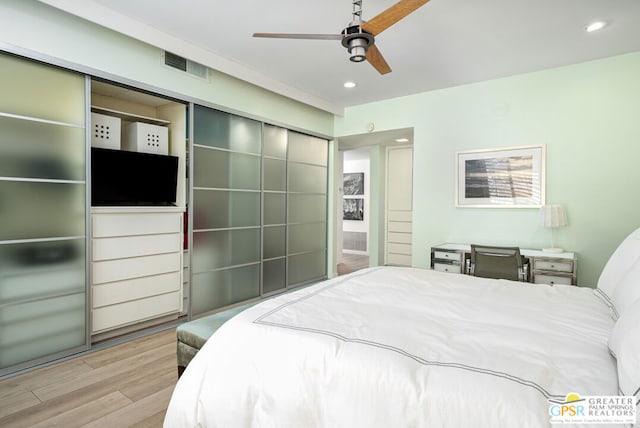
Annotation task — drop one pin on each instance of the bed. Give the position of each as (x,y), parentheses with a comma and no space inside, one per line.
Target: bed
(410,347)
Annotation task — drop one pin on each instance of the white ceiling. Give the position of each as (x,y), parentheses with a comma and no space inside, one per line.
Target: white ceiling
(444,43)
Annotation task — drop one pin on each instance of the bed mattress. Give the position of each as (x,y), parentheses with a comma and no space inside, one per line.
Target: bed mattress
(400,347)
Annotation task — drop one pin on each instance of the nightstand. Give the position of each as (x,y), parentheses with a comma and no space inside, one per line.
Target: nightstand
(553,270)
(449,258)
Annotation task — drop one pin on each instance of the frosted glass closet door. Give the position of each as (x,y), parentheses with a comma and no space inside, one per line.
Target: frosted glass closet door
(274,250)
(225,256)
(42,213)
(307,209)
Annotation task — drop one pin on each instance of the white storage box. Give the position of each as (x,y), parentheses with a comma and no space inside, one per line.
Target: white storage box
(105,131)
(146,138)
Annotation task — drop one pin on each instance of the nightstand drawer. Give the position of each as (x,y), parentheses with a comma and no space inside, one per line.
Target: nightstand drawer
(445,255)
(553,265)
(447,267)
(552,279)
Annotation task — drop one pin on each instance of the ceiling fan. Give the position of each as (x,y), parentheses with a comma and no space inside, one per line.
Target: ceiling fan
(359,36)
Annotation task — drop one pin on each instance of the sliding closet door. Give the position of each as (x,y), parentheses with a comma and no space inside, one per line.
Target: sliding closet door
(307,208)
(225,257)
(259,209)
(274,251)
(42,213)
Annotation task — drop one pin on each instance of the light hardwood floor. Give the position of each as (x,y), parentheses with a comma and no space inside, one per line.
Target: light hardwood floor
(352,262)
(126,385)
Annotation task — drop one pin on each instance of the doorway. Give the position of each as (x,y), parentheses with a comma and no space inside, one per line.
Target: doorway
(374,147)
(355,210)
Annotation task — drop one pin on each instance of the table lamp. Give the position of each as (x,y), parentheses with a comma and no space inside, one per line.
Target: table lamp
(553,216)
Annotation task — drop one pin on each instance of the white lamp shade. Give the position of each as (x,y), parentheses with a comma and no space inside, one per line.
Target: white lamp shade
(553,216)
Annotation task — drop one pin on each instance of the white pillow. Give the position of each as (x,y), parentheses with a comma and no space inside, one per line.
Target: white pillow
(628,289)
(619,263)
(624,343)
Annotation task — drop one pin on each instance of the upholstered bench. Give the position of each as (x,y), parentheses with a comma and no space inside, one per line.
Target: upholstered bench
(193,334)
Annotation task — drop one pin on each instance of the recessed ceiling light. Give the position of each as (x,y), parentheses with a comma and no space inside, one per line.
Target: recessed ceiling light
(595,26)
(350,85)
(401,140)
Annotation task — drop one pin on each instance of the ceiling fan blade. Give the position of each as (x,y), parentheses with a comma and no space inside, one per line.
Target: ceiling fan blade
(395,13)
(299,36)
(376,59)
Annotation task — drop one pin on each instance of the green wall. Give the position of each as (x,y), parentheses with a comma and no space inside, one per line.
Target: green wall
(28,26)
(587,115)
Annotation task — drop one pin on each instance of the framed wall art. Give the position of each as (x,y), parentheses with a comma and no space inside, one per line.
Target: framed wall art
(501,178)
(353,183)
(353,209)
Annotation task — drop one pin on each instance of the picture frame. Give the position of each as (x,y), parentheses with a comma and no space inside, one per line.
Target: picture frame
(353,209)
(501,178)
(353,183)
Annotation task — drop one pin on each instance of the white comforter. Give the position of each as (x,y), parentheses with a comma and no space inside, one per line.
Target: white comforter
(400,347)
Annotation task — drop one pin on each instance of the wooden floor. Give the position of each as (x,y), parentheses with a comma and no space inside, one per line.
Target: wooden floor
(352,262)
(127,385)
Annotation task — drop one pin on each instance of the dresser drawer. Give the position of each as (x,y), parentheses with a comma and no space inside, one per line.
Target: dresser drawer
(135,246)
(113,293)
(128,224)
(552,279)
(122,314)
(137,267)
(447,267)
(553,265)
(446,255)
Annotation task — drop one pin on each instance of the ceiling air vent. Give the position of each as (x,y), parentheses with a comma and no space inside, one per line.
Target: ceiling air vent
(186,65)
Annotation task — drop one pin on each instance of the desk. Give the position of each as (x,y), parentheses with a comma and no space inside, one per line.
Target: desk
(544,268)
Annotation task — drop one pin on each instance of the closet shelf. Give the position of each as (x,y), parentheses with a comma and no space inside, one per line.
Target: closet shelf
(129,116)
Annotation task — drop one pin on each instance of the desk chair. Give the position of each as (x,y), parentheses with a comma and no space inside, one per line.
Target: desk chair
(498,262)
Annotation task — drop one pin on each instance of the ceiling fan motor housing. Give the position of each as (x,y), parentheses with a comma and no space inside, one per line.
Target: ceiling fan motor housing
(357,41)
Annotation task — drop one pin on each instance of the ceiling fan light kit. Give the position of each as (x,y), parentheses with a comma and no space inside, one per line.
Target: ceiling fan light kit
(357,42)
(359,36)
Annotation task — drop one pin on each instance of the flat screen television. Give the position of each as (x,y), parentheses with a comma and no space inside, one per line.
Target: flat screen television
(123,178)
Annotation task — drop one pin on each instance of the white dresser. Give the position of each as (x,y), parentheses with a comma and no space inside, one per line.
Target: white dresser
(136,265)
